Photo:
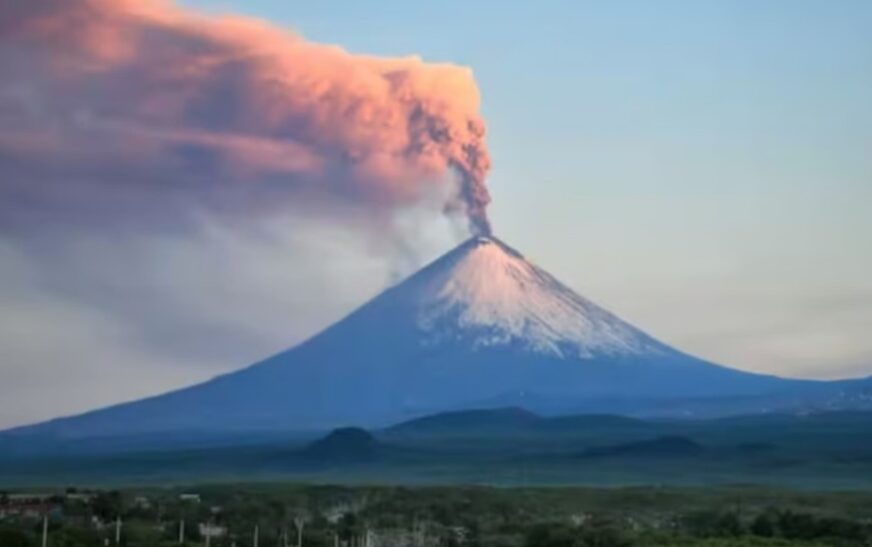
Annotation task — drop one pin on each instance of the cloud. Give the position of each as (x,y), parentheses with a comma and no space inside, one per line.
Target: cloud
(140,110)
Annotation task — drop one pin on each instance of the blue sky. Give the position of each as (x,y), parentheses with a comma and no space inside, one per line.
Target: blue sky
(704,168)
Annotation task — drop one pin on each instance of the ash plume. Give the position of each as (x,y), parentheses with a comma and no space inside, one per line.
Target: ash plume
(139,109)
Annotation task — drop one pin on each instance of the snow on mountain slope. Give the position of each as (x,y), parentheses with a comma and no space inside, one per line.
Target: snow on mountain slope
(487,293)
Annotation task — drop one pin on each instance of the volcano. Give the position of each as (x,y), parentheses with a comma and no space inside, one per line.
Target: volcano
(480,327)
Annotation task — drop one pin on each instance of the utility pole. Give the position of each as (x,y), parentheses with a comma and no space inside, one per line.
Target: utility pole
(45,530)
(182,532)
(255,535)
(118,530)
(299,522)
(208,534)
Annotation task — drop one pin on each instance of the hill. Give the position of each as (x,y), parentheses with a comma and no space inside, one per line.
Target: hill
(345,445)
(667,446)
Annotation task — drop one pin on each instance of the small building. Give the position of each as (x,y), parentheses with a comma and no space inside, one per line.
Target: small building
(28,505)
(212,530)
(141,502)
(84,497)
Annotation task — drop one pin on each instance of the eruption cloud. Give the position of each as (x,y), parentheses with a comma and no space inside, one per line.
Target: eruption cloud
(116,107)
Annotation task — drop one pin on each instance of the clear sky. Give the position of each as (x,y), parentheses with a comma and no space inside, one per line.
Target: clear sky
(701,168)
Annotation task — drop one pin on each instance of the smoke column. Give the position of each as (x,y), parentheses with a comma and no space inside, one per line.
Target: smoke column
(115,107)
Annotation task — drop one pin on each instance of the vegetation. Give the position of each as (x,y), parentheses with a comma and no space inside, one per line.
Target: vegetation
(461,516)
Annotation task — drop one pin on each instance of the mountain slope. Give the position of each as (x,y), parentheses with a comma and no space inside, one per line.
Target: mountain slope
(479,327)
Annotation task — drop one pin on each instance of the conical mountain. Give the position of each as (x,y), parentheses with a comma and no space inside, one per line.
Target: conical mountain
(481,326)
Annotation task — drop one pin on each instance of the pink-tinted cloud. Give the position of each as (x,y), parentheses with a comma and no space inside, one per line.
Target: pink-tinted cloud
(120,106)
